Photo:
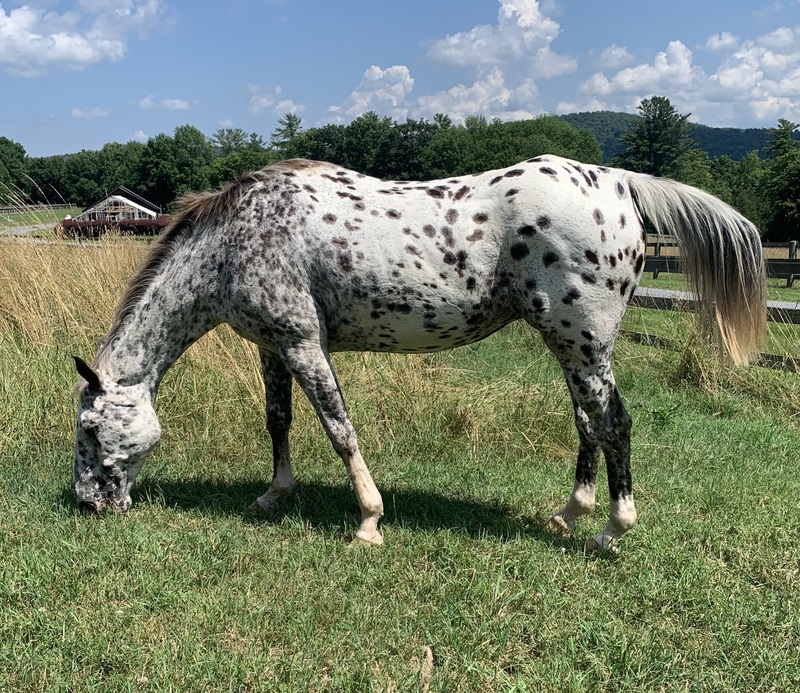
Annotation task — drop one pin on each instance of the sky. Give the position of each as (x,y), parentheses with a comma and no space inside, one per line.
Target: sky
(76,74)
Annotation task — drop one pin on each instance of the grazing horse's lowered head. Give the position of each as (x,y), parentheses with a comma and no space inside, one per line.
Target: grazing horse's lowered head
(116,429)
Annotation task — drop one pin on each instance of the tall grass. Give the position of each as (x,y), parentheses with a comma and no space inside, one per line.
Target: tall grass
(472,450)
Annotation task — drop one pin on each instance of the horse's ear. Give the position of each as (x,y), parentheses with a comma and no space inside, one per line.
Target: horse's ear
(88,374)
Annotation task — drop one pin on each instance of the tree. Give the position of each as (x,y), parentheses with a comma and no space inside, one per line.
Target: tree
(400,155)
(158,170)
(13,169)
(229,140)
(289,127)
(782,139)
(658,142)
(194,154)
(323,144)
(49,181)
(364,137)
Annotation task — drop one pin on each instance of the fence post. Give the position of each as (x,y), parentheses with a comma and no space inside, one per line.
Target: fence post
(792,256)
(657,253)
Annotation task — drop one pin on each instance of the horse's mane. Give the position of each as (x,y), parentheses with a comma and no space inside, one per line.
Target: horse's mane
(192,209)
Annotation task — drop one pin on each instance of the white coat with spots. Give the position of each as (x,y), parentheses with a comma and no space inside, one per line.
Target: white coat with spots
(304,258)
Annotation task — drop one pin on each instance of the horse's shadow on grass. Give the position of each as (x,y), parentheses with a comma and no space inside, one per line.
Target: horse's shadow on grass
(331,508)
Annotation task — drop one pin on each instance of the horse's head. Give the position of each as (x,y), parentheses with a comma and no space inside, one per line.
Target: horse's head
(116,429)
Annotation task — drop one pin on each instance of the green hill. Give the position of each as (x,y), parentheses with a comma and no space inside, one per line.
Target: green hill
(608,126)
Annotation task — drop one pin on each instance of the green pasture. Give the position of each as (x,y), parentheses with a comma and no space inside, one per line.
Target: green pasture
(34,218)
(472,450)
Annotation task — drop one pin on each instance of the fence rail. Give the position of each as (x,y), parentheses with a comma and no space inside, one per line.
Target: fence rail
(23,209)
(664,256)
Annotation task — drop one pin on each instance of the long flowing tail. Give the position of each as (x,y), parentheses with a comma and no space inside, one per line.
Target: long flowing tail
(721,256)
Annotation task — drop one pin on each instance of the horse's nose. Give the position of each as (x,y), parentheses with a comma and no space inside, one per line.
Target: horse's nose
(87,507)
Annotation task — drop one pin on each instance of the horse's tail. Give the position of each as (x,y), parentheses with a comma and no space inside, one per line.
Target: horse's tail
(721,256)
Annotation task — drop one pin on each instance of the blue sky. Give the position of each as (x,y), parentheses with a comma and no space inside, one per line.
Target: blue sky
(75,74)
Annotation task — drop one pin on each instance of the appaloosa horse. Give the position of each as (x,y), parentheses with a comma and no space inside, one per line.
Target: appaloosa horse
(304,258)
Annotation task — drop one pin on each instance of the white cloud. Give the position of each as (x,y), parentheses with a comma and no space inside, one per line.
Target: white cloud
(288,106)
(504,59)
(262,97)
(89,114)
(383,91)
(521,30)
(33,38)
(615,57)
(488,95)
(146,102)
(175,105)
(227,123)
(140,135)
(756,79)
(724,41)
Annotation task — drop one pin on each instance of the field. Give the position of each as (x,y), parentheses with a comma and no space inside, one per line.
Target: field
(472,450)
(47,219)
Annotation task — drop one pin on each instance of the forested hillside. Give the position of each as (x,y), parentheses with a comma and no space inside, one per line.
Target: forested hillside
(608,126)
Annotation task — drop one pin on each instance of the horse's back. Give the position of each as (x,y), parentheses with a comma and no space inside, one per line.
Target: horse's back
(421,266)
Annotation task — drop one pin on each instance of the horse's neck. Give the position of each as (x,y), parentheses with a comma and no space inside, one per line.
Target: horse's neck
(176,310)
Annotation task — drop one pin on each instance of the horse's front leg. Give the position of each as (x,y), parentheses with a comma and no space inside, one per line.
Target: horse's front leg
(278,390)
(309,365)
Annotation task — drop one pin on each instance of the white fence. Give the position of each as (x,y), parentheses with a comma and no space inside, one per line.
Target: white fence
(23,209)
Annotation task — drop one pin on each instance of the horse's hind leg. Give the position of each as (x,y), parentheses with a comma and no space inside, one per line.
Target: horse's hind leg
(278,390)
(601,419)
(616,442)
(309,365)
(581,500)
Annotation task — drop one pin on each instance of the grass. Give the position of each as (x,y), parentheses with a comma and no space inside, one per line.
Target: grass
(38,218)
(28,215)
(472,450)
(776,288)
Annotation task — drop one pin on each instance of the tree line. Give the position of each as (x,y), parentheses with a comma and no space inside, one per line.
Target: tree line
(659,141)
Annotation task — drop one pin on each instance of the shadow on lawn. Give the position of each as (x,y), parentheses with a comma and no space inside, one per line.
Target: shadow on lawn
(329,507)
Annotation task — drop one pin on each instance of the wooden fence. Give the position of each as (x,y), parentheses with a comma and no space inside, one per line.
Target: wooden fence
(782,261)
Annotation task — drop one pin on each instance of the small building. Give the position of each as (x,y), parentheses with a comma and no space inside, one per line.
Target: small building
(118,205)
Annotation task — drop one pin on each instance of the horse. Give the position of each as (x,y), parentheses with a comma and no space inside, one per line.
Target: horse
(304,258)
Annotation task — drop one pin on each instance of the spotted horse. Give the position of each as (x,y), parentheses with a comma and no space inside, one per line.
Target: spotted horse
(304,258)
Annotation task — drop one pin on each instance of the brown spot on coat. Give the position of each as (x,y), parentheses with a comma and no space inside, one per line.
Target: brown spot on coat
(463,190)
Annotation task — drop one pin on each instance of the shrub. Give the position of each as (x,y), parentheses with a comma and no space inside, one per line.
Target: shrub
(94,229)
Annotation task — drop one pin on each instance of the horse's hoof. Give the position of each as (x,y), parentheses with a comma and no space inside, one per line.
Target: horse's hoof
(560,527)
(374,538)
(602,544)
(260,506)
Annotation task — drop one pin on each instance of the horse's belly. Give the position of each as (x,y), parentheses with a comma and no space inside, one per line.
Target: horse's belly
(403,327)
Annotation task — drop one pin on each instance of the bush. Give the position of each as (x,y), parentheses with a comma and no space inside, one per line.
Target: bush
(82,230)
